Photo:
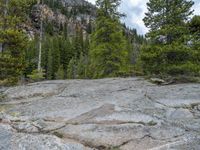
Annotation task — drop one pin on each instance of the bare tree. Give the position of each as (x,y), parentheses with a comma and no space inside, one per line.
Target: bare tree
(40,40)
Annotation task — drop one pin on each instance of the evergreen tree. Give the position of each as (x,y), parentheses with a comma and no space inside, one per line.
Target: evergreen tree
(86,46)
(194,30)
(82,67)
(167,18)
(49,70)
(66,53)
(55,56)
(13,40)
(175,57)
(60,73)
(108,46)
(78,42)
(72,69)
(31,55)
(194,25)
(46,46)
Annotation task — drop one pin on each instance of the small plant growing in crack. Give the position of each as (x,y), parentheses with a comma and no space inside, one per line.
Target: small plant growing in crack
(58,134)
(114,148)
(3,108)
(2,96)
(15,114)
(152,123)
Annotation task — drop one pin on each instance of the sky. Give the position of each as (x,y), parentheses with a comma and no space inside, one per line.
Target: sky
(135,9)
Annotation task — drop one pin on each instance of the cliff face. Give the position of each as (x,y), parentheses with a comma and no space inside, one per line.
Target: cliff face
(61,13)
(76,3)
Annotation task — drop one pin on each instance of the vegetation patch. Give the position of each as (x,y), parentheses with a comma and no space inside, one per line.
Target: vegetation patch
(152,123)
(58,134)
(3,108)
(2,96)
(114,148)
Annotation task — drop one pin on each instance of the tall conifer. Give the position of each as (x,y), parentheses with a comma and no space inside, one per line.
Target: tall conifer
(108,47)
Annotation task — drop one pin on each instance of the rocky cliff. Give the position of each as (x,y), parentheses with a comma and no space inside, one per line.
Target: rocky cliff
(60,13)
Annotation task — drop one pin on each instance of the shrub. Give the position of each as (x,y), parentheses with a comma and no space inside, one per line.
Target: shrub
(37,75)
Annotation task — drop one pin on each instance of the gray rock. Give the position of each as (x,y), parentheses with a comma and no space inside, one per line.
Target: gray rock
(43,142)
(198,107)
(129,113)
(180,114)
(5,137)
(26,127)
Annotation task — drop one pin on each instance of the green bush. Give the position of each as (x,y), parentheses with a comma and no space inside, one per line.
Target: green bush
(2,96)
(37,75)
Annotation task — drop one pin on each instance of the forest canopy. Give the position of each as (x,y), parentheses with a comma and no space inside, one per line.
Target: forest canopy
(49,40)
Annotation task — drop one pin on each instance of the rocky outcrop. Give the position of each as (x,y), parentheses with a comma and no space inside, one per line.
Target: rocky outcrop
(123,114)
(69,13)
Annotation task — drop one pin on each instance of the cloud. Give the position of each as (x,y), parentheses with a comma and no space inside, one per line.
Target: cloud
(196,7)
(135,9)
(91,1)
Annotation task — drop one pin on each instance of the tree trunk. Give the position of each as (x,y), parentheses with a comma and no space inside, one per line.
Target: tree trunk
(40,41)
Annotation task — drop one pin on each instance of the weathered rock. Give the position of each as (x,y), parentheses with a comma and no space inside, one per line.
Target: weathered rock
(5,137)
(26,127)
(180,114)
(128,114)
(198,107)
(12,140)
(145,144)
(104,135)
(43,142)
(166,132)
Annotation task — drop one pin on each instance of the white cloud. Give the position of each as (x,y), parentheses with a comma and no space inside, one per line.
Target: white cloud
(197,7)
(135,9)
(91,1)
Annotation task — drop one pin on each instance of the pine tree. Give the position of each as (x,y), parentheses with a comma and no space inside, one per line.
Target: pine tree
(13,40)
(194,29)
(31,57)
(108,46)
(55,56)
(86,46)
(72,69)
(49,65)
(46,46)
(60,73)
(78,42)
(66,53)
(167,18)
(82,65)
(194,34)
(172,57)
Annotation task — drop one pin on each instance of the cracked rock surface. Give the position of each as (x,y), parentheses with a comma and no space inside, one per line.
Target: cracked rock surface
(105,114)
